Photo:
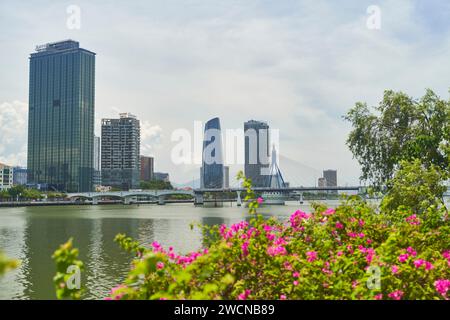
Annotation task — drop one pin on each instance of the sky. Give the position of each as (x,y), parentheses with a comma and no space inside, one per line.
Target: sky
(299,65)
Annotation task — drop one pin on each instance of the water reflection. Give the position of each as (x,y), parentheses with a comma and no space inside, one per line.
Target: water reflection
(32,234)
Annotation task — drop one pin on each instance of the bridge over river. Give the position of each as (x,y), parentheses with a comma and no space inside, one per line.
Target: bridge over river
(131,196)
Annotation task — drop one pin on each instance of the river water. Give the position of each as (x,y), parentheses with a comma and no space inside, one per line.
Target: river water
(32,234)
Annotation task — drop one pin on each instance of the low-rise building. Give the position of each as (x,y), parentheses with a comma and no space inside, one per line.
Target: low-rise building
(161,176)
(6,176)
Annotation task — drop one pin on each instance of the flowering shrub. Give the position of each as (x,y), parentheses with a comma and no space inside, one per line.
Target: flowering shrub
(66,265)
(350,252)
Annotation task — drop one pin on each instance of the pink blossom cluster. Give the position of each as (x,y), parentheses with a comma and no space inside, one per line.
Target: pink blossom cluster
(276,250)
(329,212)
(297,217)
(228,233)
(426,264)
(179,259)
(114,295)
(410,252)
(312,256)
(244,295)
(369,252)
(413,220)
(396,295)
(442,286)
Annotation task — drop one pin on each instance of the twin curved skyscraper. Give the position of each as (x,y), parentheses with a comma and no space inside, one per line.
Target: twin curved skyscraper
(212,159)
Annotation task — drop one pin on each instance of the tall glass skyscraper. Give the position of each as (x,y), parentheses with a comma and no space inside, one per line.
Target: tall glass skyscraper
(212,169)
(61,117)
(257,139)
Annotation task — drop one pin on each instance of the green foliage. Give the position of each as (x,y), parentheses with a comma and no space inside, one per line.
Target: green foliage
(32,194)
(250,195)
(67,268)
(20,192)
(56,195)
(128,244)
(156,185)
(4,194)
(7,264)
(416,188)
(401,129)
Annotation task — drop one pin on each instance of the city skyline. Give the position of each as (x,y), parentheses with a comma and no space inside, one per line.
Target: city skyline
(239,63)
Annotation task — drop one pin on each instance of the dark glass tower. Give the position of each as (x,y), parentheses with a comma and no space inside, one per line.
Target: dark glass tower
(61,117)
(257,152)
(212,169)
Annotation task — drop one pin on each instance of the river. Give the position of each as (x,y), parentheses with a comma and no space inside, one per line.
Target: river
(32,234)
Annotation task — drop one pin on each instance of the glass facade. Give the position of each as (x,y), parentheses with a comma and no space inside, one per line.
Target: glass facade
(61,117)
(257,138)
(212,169)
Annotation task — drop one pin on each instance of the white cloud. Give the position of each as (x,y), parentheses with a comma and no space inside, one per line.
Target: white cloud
(151,138)
(13,133)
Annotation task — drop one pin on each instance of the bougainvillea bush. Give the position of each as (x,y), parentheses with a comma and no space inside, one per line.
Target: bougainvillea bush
(350,252)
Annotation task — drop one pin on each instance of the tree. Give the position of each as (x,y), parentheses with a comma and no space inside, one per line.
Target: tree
(400,129)
(16,191)
(156,185)
(32,194)
(4,194)
(415,188)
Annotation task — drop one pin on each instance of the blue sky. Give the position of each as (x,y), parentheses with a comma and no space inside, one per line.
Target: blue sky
(297,64)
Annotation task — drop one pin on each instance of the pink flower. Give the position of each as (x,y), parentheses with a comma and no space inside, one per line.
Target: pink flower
(396,295)
(159,265)
(260,200)
(442,286)
(312,256)
(340,253)
(297,217)
(361,222)
(283,297)
(296,274)
(339,225)
(276,251)
(295,283)
(287,265)
(411,251)
(428,265)
(394,269)
(446,254)
(244,295)
(329,212)
(378,296)
(413,220)
(244,248)
(418,263)
(403,257)
(270,236)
